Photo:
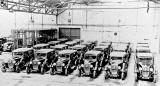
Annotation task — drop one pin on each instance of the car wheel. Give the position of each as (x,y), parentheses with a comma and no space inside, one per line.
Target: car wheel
(106,75)
(94,74)
(79,73)
(123,76)
(3,69)
(136,78)
(28,70)
(18,69)
(66,72)
(52,71)
(42,70)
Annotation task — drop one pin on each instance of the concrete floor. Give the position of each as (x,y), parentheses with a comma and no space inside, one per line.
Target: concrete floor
(23,79)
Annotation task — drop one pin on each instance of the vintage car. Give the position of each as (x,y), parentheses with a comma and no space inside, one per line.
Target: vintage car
(40,46)
(62,40)
(41,62)
(87,44)
(53,43)
(90,65)
(93,43)
(105,52)
(59,47)
(71,43)
(66,62)
(122,48)
(117,67)
(81,49)
(8,46)
(143,50)
(144,67)
(20,57)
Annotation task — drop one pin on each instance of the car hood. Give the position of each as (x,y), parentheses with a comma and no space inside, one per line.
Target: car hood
(89,61)
(62,59)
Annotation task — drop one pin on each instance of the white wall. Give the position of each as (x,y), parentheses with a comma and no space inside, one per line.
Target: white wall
(21,20)
(134,24)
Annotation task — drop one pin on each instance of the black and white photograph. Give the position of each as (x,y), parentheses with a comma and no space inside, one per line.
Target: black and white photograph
(79,42)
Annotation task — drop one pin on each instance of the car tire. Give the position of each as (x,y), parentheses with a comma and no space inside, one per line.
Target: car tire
(94,74)
(52,71)
(3,69)
(106,76)
(42,70)
(66,72)
(122,75)
(80,73)
(28,70)
(136,78)
(18,69)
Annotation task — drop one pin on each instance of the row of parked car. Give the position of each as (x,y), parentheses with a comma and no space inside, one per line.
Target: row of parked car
(63,57)
(144,63)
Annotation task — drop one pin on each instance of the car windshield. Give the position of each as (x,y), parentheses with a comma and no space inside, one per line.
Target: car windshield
(58,49)
(37,48)
(98,49)
(41,54)
(116,58)
(90,57)
(143,51)
(120,50)
(18,53)
(145,60)
(64,55)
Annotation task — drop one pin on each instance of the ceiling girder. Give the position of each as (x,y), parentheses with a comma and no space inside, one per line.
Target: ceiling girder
(33,6)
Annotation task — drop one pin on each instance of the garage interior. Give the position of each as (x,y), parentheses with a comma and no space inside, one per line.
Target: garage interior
(31,22)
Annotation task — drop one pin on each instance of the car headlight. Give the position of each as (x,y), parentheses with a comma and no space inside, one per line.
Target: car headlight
(140,68)
(109,67)
(13,61)
(39,62)
(63,64)
(119,67)
(54,64)
(151,69)
(91,66)
(82,65)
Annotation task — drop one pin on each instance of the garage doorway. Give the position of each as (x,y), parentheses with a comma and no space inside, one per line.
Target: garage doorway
(70,33)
